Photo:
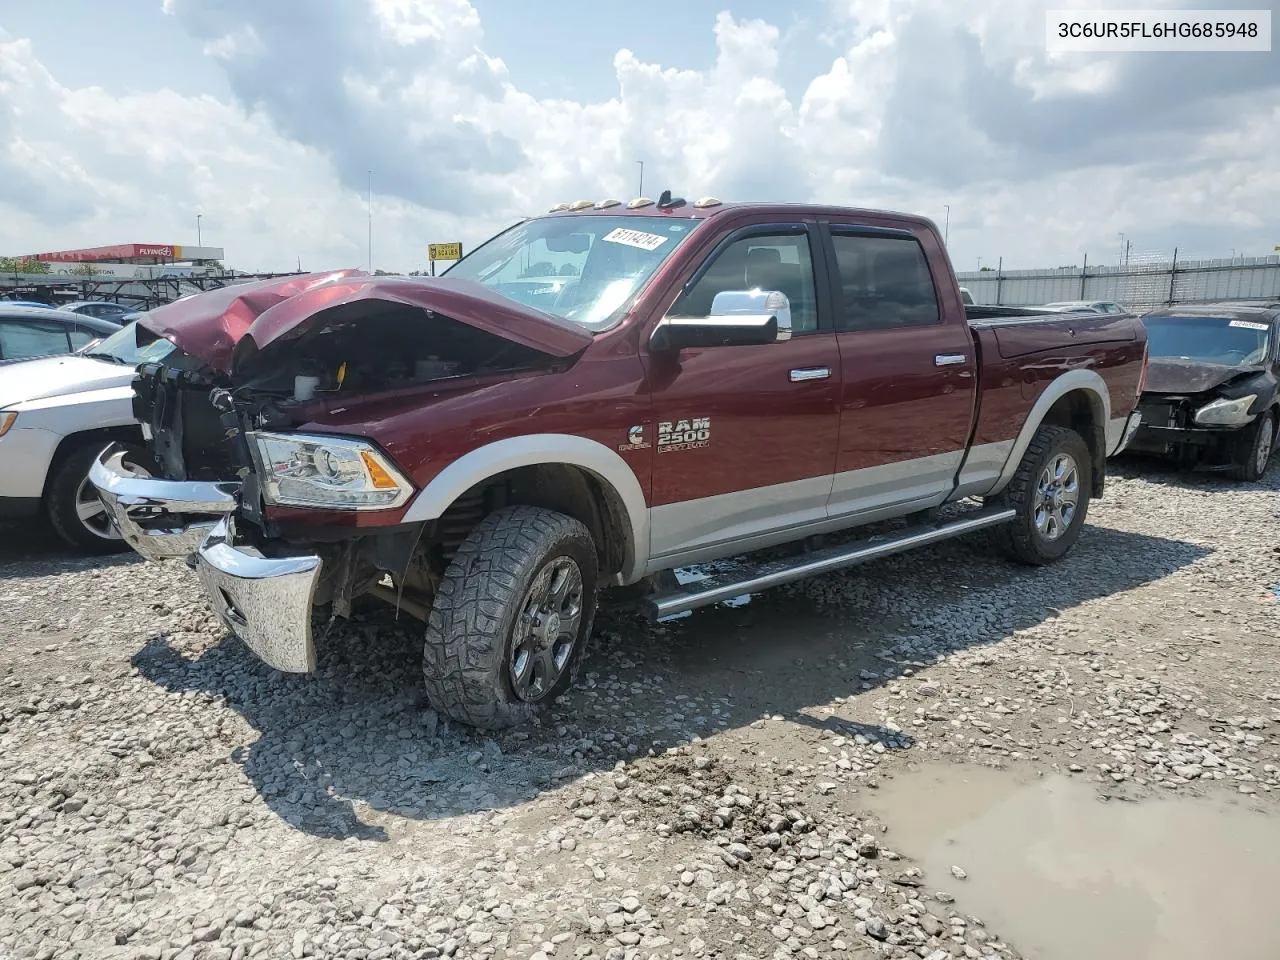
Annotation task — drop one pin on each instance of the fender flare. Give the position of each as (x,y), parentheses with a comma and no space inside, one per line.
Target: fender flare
(533,450)
(1087,380)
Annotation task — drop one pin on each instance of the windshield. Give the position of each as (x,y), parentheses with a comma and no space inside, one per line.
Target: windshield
(585,269)
(123,346)
(1208,339)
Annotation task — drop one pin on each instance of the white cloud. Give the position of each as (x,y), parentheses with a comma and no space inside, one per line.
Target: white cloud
(927,103)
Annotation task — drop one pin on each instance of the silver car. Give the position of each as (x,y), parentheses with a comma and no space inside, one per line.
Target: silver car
(116,313)
(27,332)
(1086,306)
(56,415)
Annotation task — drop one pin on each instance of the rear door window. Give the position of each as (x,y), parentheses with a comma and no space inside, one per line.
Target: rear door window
(882,283)
(23,339)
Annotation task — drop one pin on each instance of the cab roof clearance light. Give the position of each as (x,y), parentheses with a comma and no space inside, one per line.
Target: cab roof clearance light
(636,204)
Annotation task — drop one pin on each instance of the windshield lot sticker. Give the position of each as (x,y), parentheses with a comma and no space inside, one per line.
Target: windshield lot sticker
(1249,325)
(684,434)
(635,238)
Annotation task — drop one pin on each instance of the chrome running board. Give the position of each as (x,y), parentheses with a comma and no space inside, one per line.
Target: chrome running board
(716,588)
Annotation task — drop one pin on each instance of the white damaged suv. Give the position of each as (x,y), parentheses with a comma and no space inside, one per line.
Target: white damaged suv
(56,416)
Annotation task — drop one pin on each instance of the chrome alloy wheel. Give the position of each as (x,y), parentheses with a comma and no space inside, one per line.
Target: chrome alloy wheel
(1262,445)
(546,630)
(91,510)
(93,514)
(1057,493)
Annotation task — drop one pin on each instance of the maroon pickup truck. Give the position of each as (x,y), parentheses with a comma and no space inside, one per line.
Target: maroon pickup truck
(592,399)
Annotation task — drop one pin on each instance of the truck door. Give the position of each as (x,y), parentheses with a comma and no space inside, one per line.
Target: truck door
(745,438)
(908,371)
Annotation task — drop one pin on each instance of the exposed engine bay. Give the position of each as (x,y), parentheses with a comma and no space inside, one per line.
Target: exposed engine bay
(370,347)
(360,351)
(196,420)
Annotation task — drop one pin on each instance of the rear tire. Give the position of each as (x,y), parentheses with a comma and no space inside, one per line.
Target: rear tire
(1256,450)
(1050,492)
(511,617)
(75,513)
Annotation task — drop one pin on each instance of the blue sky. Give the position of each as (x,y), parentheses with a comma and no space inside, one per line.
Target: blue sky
(574,59)
(561,50)
(121,120)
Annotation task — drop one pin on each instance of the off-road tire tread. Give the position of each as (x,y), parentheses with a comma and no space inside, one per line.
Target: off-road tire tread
(60,497)
(464,651)
(1017,538)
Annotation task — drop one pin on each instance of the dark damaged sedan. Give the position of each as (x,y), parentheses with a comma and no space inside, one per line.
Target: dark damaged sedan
(1210,398)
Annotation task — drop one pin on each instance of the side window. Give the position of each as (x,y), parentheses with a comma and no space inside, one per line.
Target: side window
(80,337)
(884,283)
(22,339)
(778,262)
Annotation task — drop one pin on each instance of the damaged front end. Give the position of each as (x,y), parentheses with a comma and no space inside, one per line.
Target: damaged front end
(1202,414)
(266,601)
(275,518)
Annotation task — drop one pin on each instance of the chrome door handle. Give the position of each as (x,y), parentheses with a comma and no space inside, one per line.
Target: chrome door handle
(810,373)
(949,359)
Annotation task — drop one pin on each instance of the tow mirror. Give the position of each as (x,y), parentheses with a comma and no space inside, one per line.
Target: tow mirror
(738,318)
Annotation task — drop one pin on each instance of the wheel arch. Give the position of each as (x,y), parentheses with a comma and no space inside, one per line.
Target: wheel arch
(1079,400)
(576,475)
(122,433)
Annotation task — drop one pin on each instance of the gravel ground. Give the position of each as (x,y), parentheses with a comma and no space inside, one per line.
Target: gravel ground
(164,795)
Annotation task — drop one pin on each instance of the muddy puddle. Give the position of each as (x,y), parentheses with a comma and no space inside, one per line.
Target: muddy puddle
(1063,875)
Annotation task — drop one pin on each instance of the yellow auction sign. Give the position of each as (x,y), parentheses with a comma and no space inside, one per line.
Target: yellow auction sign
(444,251)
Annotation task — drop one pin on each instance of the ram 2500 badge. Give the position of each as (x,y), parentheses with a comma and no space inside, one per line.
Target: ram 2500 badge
(594,398)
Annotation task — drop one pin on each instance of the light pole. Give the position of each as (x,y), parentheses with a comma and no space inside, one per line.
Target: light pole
(199,236)
(1122,247)
(979,264)
(369,210)
(946,229)
(641,193)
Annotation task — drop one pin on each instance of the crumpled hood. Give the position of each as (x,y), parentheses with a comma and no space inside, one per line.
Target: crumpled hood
(57,377)
(1171,375)
(210,325)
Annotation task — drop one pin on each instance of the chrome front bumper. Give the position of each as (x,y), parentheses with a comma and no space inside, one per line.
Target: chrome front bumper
(265,601)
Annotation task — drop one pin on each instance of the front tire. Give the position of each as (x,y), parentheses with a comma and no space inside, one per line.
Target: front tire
(1050,492)
(511,617)
(1256,450)
(75,512)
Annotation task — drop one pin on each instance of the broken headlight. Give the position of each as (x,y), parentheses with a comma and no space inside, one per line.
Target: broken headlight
(1226,413)
(301,470)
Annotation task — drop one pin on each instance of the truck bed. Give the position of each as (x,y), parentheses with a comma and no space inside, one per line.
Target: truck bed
(1019,331)
(988,312)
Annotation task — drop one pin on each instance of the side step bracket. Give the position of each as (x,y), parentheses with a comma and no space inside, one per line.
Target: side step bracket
(716,588)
